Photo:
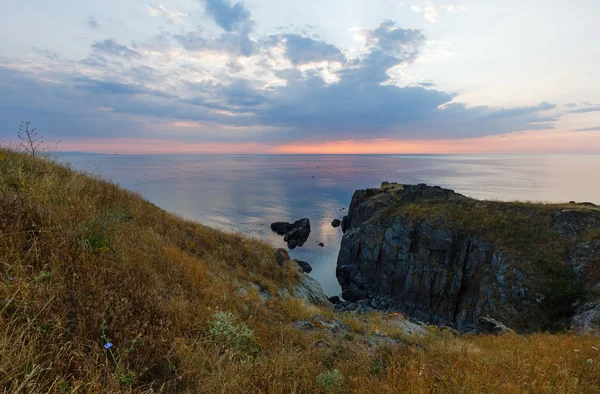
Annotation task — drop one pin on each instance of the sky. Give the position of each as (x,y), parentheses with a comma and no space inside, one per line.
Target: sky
(311,76)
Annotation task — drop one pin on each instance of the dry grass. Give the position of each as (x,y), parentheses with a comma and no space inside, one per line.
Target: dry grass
(83,262)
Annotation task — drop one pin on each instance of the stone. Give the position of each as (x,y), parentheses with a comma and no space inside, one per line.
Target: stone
(241,291)
(570,222)
(304,266)
(309,290)
(585,262)
(303,325)
(493,326)
(295,234)
(281,256)
(586,320)
(263,294)
(334,300)
(336,223)
(321,244)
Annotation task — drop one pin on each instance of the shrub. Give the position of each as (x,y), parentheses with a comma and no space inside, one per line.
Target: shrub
(331,381)
(227,333)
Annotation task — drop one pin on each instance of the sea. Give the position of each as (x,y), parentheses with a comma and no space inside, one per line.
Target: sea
(246,193)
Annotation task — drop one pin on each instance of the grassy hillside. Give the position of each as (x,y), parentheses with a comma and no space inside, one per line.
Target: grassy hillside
(102,291)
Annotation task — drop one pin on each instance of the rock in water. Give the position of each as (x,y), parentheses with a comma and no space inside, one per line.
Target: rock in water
(421,250)
(336,223)
(295,234)
(304,266)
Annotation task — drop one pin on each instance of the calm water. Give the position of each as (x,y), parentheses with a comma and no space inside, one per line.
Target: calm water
(245,193)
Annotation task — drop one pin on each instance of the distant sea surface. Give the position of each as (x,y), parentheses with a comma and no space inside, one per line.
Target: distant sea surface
(245,193)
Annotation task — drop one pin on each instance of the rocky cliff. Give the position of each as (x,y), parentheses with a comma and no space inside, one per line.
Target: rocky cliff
(451,260)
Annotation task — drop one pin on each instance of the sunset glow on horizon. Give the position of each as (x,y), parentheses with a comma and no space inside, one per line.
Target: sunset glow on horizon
(532,142)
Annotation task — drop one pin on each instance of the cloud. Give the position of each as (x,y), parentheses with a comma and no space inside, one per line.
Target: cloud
(229,17)
(302,50)
(111,48)
(597,128)
(93,23)
(394,40)
(231,43)
(518,111)
(585,110)
(431,12)
(233,19)
(282,88)
(172,16)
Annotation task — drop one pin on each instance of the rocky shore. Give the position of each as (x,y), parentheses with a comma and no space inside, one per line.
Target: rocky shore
(449,260)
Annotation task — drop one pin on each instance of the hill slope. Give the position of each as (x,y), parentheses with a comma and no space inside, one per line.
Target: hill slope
(102,291)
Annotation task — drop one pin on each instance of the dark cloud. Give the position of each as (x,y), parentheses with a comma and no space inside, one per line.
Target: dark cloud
(302,50)
(229,16)
(111,48)
(597,128)
(93,23)
(234,19)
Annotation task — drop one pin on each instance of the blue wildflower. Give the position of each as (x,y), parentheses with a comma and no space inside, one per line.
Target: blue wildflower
(108,345)
(9,301)
(10,279)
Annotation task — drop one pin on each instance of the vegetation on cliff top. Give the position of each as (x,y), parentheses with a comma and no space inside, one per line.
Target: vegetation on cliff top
(101,291)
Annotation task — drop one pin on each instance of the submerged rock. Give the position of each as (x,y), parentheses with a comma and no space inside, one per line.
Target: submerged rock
(295,234)
(336,223)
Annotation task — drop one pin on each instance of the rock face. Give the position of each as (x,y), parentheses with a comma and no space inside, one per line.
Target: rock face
(570,222)
(295,234)
(304,266)
(440,273)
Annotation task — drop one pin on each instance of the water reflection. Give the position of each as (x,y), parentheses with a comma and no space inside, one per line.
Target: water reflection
(245,193)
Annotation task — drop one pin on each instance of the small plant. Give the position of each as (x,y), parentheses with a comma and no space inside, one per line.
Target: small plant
(229,334)
(331,381)
(99,232)
(30,140)
(127,378)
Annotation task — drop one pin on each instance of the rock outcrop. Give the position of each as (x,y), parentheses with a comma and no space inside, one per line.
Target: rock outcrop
(295,234)
(401,251)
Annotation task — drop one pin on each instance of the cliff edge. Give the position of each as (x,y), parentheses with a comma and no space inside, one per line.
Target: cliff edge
(455,261)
